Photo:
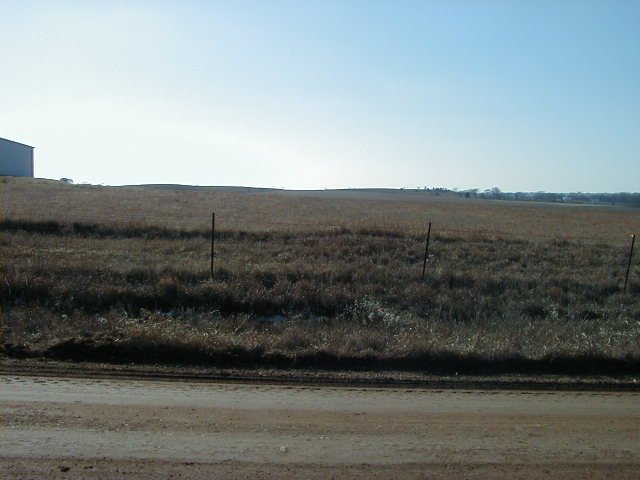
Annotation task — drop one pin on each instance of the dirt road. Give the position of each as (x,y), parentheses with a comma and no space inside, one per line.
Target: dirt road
(101,428)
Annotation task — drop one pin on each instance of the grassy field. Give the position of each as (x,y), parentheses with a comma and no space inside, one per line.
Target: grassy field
(329,279)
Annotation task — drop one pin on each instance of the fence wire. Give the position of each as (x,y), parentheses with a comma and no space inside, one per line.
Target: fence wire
(152,234)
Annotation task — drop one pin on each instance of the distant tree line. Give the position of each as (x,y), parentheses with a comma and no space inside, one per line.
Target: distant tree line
(620,198)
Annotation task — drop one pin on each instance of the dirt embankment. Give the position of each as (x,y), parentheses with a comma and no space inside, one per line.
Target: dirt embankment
(262,374)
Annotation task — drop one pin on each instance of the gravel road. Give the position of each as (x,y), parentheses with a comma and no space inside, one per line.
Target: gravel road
(116,428)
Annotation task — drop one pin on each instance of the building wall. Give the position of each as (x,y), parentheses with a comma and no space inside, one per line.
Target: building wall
(16,159)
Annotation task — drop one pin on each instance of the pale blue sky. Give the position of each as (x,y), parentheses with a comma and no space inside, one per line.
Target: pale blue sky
(535,95)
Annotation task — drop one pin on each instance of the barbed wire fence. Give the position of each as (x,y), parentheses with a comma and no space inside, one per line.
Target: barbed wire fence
(150,231)
(459,233)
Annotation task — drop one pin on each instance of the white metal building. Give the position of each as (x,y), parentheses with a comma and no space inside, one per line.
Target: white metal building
(16,159)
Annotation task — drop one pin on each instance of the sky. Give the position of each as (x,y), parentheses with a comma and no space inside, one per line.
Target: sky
(522,95)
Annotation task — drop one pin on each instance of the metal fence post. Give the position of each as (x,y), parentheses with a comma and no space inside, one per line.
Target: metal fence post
(626,277)
(426,252)
(213,231)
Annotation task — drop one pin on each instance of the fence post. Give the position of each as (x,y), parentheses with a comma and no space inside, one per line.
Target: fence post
(213,231)
(626,277)
(426,252)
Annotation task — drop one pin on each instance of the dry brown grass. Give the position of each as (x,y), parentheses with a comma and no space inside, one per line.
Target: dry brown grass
(130,282)
(48,200)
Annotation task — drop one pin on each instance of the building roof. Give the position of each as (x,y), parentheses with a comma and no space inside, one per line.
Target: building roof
(18,143)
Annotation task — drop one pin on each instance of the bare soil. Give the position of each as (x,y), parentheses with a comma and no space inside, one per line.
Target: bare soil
(56,427)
